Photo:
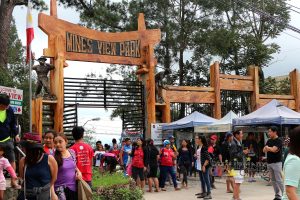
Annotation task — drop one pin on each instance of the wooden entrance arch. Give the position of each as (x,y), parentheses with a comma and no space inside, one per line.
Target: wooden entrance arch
(67,41)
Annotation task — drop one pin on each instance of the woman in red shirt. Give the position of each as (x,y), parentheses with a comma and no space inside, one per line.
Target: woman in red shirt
(167,156)
(138,166)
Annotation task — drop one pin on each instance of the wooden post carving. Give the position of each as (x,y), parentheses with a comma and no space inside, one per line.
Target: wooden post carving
(58,80)
(166,109)
(253,71)
(149,81)
(295,88)
(215,82)
(37,115)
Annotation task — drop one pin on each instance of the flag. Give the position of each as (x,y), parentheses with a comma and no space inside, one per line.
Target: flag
(29,31)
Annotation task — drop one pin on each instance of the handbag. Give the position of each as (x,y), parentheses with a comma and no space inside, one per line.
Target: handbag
(84,190)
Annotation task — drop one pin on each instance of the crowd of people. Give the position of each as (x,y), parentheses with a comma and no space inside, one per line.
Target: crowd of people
(50,169)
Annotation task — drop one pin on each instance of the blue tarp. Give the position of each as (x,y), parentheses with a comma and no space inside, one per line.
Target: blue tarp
(190,121)
(273,113)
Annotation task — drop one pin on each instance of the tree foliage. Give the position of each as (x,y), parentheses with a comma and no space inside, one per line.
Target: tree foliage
(17,73)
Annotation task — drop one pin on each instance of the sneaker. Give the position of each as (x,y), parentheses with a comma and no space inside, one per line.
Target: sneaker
(202,195)
(208,196)
(276,198)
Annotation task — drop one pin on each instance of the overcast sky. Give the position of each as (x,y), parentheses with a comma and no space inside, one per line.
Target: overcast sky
(284,62)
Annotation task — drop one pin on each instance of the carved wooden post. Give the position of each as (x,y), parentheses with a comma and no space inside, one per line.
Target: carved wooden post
(253,71)
(295,88)
(215,83)
(166,110)
(37,115)
(58,83)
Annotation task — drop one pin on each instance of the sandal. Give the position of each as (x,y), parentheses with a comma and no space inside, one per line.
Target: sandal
(17,187)
(157,190)
(149,190)
(230,191)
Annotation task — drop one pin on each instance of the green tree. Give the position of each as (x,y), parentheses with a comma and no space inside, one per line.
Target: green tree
(241,38)
(17,73)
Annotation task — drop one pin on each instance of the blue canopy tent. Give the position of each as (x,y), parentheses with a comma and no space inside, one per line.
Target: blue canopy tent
(273,113)
(190,121)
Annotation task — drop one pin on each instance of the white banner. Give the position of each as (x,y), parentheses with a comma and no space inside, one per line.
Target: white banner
(16,98)
(157,134)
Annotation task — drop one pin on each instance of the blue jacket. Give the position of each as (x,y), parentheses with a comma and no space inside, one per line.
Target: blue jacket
(9,127)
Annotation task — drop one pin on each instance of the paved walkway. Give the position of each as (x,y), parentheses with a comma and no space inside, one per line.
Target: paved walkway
(250,191)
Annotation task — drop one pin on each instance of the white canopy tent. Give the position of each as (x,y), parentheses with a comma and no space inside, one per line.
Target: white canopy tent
(190,121)
(273,113)
(222,125)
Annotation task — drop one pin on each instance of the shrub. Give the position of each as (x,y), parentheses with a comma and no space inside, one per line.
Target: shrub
(115,187)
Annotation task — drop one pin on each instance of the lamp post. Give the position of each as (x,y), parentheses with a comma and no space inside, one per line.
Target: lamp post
(94,119)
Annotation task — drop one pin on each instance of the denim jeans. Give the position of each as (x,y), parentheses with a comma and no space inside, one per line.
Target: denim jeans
(204,179)
(164,171)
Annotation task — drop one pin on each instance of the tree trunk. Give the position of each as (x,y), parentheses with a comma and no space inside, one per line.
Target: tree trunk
(6,9)
(181,51)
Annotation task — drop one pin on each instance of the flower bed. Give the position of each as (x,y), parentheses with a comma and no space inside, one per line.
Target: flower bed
(115,187)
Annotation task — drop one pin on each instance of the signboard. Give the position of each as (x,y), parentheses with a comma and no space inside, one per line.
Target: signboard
(83,44)
(213,128)
(157,135)
(16,98)
(133,135)
(80,44)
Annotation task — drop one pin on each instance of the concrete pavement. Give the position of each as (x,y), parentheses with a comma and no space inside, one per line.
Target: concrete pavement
(249,191)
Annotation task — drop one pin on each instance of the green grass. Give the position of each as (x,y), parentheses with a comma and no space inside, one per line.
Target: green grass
(108,180)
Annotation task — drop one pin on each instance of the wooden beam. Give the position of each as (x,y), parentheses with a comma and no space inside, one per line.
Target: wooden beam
(37,115)
(295,88)
(166,109)
(141,22)
(190,97)
(142,71)
(190,88)
(149,82)
(228,76)
(82,44)
(253,72)
(278,97)
(58,84)
(237,85)
(215,82)
(53,8)
(289,103)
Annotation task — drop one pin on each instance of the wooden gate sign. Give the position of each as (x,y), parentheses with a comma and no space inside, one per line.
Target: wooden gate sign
(83,44)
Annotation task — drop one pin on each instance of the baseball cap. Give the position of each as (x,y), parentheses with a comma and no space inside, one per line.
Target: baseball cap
(31,140)
(228,134)
(171,137)
(213,137)
(166,142)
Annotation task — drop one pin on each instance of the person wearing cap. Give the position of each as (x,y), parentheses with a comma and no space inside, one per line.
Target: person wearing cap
(215,151)
(226,145)
(8,131)
(167,157)
(174,148)
(42,71)
(37,169)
